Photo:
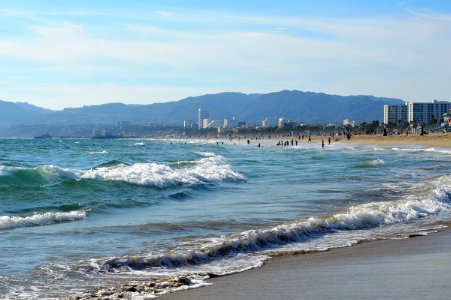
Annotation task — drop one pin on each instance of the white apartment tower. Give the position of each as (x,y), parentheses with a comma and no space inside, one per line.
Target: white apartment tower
(395,114)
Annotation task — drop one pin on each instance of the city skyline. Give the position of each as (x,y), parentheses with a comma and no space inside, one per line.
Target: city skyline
(64,54)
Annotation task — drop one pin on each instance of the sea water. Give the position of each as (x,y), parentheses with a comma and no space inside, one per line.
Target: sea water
(85,215)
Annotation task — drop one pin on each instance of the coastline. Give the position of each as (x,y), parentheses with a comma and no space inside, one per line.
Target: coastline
(442,140)
(412,268)
(430,140)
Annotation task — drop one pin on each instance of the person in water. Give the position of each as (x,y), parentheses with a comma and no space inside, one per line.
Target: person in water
(322,144)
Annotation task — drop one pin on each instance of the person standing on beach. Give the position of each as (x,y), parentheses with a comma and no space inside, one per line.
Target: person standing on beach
(329,141)
(322,144)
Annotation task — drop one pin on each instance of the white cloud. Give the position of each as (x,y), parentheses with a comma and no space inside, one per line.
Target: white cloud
(405,58)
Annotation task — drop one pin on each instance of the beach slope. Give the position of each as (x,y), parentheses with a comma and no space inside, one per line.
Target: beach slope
(413,268)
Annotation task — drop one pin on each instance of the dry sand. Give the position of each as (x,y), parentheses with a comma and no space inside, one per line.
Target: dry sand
(414,268)
(430,140)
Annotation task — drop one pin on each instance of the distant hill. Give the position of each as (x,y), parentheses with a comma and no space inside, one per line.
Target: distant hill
(20,113)
(292,105)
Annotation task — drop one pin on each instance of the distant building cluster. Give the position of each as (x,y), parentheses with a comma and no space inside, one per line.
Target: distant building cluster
(205,122)
(416,112)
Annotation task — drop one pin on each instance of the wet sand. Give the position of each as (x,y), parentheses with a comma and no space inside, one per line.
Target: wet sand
(414,268)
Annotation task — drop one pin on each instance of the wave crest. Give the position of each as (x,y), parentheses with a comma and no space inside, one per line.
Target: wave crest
(357,217)
(210,168)
(48,218)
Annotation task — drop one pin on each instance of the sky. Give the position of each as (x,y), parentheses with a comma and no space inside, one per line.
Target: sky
(60,54)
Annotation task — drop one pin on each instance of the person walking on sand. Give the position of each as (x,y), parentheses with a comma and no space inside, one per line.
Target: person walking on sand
(329,141)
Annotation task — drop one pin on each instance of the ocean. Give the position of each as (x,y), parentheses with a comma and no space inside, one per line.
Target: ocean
(105,216)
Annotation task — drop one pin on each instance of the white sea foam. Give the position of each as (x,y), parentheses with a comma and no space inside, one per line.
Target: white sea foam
(211,168)
(432,150)
(48,218)
(358,219)
(98,152)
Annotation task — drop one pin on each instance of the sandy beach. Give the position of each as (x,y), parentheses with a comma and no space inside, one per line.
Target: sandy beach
(413,268)
(429,140)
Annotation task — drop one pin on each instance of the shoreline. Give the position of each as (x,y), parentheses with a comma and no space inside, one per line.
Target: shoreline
(442,140)
(412,268)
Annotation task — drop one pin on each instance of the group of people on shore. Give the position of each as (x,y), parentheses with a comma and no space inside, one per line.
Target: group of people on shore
(294,142)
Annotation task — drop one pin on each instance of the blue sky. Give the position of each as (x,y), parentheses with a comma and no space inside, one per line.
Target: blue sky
(58,54)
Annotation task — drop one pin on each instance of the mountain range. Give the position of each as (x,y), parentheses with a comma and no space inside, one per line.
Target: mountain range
(308,107)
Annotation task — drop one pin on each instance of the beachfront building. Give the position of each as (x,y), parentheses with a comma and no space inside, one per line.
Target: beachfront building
(202,114)
(416,112)
(395,114)
(427,113)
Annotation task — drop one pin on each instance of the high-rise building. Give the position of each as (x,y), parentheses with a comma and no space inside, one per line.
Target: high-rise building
(202,114)
(395,114)
(415,112)
(427,112)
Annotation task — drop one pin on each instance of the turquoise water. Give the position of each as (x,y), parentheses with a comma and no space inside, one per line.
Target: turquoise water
(76,215)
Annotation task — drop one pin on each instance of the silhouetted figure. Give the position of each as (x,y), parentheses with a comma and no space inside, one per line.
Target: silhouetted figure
(248,142)
(322,144)
(329,141)
(259,145)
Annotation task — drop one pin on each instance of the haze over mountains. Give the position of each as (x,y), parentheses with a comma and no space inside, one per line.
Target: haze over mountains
(309,107)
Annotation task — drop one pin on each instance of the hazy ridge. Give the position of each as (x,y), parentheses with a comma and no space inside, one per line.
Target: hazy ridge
(293,105)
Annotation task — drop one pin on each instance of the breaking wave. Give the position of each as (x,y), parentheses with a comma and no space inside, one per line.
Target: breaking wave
(48,218)
(210,168)
(359,217)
